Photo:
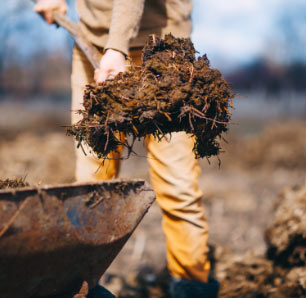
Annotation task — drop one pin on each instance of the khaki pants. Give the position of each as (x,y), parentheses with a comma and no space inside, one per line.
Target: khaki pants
(174,175)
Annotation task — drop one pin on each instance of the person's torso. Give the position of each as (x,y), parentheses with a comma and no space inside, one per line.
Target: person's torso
(159,17)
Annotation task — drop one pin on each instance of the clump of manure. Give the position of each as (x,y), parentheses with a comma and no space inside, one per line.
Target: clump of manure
(172,91)
(13,183)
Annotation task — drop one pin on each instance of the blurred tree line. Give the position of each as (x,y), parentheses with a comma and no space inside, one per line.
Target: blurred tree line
(264,74)
(35,58)
(42,66)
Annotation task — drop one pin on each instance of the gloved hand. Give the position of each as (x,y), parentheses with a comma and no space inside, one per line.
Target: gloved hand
(45,8)
(111,64)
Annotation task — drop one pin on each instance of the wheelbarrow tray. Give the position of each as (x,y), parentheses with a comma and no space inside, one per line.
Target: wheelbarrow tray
(54,238)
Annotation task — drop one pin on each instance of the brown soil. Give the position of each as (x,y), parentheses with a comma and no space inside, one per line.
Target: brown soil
(286,237)
(280,146)
(47,158)
(172,91)
(283,272)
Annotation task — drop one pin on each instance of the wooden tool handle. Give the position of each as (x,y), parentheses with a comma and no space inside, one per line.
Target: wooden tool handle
(87,48)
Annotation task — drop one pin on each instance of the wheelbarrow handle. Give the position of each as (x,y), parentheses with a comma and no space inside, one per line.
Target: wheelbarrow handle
(89,50)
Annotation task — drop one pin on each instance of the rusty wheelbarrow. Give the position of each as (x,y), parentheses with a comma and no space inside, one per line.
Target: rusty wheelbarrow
(54,238)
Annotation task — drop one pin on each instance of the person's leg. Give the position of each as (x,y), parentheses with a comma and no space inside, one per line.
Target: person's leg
(88,167)
(174,176)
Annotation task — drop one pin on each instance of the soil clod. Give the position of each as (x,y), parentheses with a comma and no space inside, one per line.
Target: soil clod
(172,91)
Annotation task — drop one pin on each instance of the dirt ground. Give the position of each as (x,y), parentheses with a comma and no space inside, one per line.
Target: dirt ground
(259,161)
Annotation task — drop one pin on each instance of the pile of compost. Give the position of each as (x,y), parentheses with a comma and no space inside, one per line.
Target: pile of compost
(13,183)
(171,91)
(283,272)
(286,236)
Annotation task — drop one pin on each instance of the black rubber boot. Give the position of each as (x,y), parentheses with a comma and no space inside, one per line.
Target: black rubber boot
(100,292)
(184,288)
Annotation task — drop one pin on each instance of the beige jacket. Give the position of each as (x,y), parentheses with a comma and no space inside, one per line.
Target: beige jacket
(122,24)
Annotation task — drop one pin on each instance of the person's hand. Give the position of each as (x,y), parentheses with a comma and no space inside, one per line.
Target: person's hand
(45,8)
(111,64)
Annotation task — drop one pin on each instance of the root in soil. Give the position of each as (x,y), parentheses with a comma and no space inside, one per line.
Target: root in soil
(172,91)
(13,183)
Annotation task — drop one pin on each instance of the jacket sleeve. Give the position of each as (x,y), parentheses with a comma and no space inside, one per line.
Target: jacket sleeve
(126,16)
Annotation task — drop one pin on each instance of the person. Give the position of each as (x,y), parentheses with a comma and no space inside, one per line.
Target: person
(119,29)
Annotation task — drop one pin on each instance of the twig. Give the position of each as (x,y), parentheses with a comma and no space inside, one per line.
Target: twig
(107,140)
(12,219)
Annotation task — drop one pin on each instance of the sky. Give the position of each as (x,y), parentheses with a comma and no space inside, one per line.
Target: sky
(238,31)
(230,32)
